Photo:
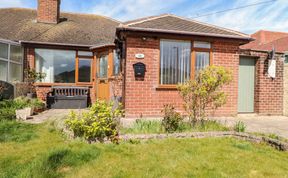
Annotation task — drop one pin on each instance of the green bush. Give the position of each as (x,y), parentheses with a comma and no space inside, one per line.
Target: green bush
(205,91)
(172,119)
(240,126)
(100,123)
(8,107)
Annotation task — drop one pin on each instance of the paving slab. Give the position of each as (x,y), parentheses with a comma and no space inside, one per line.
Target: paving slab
(51,114)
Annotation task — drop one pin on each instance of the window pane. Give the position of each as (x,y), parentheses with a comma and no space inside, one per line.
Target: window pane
(3,50)
(103,65)
(3,70)
(58,65)
(202,60)
(286,59)
(15,72)
(202,44)
(116,69)
(16,53)
(84,70)
(175,62)
(85,53)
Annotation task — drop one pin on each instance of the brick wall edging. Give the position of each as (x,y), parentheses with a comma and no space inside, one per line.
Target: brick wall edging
(279,145)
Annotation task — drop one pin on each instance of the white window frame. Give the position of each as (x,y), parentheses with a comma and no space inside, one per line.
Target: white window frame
(9,61)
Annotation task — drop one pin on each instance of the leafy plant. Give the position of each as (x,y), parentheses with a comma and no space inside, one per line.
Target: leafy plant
(240,126)
(155,126)
(8,107)
(144,126)
(32,76)
(100,123)
(172,119)
(2,89)
(204,91)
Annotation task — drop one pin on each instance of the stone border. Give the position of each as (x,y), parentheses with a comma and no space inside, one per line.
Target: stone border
(279,145)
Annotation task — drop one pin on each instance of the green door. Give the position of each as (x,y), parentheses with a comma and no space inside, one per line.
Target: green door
(246,85)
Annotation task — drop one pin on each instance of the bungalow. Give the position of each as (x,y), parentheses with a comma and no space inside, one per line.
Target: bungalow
(103,54)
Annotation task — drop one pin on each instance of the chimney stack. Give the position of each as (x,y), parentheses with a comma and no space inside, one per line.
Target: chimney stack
(48,11)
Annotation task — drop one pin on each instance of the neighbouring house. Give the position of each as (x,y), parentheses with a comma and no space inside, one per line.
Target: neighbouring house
(265,42)
(139,61)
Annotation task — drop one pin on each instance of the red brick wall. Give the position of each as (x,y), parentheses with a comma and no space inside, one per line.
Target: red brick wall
(48,11)
(143,98)
(268,92)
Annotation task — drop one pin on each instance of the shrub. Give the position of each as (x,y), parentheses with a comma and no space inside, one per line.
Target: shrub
(8,107)
(172,119)
(204,91)
(100,123)
(240,126)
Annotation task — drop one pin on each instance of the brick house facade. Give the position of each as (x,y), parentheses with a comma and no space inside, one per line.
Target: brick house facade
(268,92)
(146,98)
(104,41)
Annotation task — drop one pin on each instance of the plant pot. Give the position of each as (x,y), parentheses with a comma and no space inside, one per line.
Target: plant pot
(31,95)
(24,114)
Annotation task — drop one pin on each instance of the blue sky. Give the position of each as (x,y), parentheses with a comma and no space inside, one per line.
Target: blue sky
(270,16)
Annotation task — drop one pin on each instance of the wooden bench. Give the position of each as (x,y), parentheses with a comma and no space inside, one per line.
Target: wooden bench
(66,97)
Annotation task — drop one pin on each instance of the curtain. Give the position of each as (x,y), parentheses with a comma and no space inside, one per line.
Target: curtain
(175,61)
(202,61)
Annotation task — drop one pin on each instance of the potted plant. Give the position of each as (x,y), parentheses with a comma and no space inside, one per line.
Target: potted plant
(31,77)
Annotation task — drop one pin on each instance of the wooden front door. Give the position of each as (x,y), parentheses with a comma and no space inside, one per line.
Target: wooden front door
(246,85)
(102,75)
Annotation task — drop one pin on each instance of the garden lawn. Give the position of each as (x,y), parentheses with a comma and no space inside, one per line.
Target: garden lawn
(47,153)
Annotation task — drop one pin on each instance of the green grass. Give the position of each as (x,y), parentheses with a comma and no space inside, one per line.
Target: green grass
(154,126)
(49,154)
(18,132)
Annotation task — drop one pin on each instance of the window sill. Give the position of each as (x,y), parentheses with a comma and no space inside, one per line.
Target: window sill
(166,87)
(60,84)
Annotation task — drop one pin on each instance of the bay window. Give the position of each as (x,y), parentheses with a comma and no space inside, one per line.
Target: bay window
(57,65)
(176,63)
(11,62)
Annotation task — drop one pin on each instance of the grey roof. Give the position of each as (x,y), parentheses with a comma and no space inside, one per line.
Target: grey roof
(168,23)
(19,24)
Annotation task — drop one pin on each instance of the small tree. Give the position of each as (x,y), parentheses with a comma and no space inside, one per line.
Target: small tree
(204,91)
(32,76)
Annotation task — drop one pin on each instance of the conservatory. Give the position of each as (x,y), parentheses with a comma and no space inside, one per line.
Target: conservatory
(11,61)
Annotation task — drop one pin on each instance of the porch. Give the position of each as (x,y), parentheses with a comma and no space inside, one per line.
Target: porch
(71,68)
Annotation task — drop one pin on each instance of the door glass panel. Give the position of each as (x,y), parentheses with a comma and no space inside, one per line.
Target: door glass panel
(117,63)
(84,70)
(103,65)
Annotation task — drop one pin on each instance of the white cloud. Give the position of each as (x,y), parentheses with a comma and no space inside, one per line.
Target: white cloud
(270,16)
(11,3)
(131,9)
